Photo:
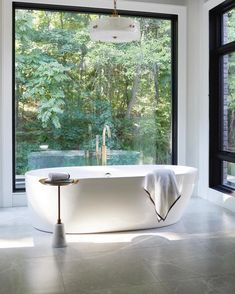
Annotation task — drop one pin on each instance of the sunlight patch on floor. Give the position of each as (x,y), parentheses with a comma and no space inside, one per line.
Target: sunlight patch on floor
(16,243)
(101,238)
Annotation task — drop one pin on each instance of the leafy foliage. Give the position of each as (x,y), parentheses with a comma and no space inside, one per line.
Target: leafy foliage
(68,87)
(229,82)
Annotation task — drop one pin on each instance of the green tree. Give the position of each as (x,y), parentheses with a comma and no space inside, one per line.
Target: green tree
(68,87)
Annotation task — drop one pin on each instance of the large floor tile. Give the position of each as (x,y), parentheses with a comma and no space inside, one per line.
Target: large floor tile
(224,246)
(176,249)
(196,255)
(155,288)
(223,283)
(104,272)
(37,275)
(190,286)
(171,272)
(33,275)
(206,267)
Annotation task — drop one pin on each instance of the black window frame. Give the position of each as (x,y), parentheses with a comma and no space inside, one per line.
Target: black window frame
(174,66)
(216,97)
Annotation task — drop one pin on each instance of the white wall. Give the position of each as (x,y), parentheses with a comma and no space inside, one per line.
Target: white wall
(6,102)
(193,66)
(7,198)
(198,99)
(0,108)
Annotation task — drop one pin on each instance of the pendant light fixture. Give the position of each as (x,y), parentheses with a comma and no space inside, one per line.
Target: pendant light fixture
(115,28)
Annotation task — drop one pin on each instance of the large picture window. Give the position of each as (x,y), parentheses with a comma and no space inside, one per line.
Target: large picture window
(222,97)
(71,93)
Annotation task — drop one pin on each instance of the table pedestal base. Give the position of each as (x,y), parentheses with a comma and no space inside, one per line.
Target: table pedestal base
(59,240)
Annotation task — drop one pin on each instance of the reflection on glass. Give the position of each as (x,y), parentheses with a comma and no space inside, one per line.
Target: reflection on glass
(228,26)
(229,102)
(68,88)
(229,174)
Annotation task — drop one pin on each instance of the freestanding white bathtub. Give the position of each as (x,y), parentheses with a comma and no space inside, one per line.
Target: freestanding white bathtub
(107,198)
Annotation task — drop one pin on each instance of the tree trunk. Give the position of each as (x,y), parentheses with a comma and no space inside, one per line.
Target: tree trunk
(48,19)
(134,91)
(61,20)
(232,126)
(155,78)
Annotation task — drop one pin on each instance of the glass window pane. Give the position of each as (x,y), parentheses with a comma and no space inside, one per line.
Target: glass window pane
(229,103)
(68,88)
(229,26)
(229,174)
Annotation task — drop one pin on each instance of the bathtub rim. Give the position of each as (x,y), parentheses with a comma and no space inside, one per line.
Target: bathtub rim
(185,170)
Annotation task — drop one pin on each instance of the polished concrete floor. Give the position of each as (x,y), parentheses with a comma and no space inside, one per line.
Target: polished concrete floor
(197,255)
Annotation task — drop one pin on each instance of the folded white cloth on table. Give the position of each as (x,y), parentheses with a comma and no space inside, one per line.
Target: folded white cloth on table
(161,186)
(58,176)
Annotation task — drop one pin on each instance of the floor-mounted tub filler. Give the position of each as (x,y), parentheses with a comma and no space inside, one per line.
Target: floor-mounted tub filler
(106,199)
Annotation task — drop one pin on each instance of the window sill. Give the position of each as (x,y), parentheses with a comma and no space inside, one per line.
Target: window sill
(224,189)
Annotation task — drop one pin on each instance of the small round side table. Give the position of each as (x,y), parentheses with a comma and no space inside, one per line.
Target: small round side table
(58,239)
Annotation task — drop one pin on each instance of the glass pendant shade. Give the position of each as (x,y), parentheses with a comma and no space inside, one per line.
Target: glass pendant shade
(115,29)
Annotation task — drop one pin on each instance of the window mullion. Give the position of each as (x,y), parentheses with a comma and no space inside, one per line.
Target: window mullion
(226,49)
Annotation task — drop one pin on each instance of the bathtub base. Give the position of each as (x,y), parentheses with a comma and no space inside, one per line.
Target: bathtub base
(104,231)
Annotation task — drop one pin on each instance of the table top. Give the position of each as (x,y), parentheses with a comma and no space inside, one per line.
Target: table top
(46,181)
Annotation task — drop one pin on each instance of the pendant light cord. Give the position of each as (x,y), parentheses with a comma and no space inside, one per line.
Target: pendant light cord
(115,8)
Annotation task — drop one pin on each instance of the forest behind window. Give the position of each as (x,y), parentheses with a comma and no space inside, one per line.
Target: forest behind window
(67,88)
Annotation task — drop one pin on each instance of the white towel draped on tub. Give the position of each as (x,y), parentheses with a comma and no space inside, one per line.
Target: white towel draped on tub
(162,189)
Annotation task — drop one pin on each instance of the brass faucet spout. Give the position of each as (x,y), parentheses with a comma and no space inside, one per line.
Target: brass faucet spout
(106,128)
(104,148)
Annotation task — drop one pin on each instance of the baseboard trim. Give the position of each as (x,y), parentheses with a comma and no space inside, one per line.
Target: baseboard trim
(19,199)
